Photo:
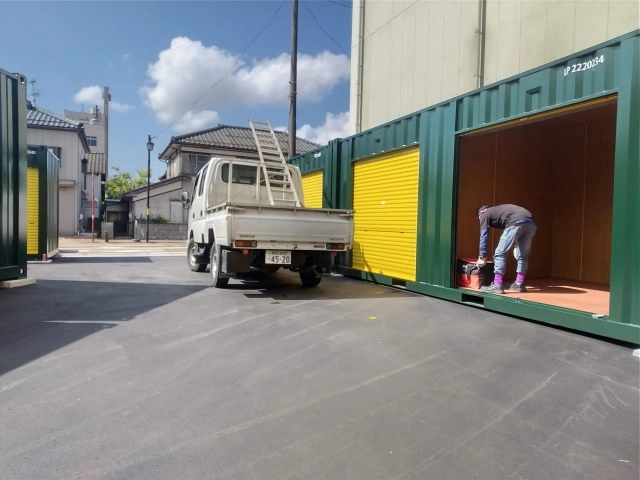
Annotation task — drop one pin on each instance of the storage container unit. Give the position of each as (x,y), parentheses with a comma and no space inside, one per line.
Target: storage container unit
(319,176)
(13,178)
(561,140)
(321,182)
(43,173)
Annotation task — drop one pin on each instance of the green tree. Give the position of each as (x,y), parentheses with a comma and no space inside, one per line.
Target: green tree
(122,182)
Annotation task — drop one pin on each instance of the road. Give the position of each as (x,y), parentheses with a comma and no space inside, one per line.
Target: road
(86,246)
(125,365)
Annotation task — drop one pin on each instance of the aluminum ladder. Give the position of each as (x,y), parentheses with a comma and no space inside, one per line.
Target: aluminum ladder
(276,172)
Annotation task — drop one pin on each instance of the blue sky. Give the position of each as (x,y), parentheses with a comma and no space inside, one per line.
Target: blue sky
(175,67)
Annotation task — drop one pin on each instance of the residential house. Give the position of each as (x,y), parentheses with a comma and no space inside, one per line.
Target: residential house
(67,140)
(186,154)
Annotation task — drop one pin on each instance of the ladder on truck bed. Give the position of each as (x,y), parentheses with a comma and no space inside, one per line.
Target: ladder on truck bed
(276,172)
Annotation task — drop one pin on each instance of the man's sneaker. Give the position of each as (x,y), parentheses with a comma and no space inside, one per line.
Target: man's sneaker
(493,288)
(518,287)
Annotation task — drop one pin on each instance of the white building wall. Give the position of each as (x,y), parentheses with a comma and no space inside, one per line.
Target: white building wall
(160,200)
(71,152)
(94,126)
(417,53)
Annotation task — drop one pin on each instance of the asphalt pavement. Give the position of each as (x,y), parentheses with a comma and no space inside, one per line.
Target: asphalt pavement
(120,363)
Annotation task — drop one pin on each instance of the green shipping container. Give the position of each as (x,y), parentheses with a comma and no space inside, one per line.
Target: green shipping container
(13,165)
(561,140)
(43,173)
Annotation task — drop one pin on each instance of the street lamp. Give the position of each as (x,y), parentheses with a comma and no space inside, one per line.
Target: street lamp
(149,148)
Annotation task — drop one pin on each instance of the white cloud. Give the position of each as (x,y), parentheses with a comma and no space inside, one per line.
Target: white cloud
(196,121)
(89,95)
(120,107)
(190,81)
(93,96)
(335,126)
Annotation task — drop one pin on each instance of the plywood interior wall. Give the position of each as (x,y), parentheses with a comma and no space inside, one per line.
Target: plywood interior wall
(561,169)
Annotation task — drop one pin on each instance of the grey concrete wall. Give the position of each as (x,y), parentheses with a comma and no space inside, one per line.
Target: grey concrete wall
(160,231)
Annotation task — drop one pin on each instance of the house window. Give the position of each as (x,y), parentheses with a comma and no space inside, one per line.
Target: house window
(57,151)
(194,163)
(92,141)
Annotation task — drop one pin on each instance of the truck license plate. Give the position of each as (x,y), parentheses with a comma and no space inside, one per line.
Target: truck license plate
(278,257)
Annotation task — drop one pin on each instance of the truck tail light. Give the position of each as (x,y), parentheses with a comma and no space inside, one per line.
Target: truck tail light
(245,243)
(335,246)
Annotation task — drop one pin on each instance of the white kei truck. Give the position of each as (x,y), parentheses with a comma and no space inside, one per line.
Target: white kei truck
(249,214)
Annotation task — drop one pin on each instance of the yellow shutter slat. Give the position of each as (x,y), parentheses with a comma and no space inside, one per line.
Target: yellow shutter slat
(385,199)
(312,189)
(33,197)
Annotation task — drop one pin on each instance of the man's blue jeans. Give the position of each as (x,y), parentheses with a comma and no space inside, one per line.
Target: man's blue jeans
(519,236)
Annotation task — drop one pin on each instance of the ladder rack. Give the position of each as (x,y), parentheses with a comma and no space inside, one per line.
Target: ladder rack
(274,168)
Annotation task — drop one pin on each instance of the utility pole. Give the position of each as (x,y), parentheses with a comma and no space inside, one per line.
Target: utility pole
(293,80)
(106,97)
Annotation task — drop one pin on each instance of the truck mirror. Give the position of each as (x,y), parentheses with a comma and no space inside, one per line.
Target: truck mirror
(185,199)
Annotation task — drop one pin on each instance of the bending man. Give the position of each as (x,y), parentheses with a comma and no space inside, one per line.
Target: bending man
(519,228)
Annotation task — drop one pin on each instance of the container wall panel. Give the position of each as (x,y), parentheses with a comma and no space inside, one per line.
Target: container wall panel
(574,79)
(312,161)
(51,184)
(320,165)
(625,248)
(13,176)
(437,170)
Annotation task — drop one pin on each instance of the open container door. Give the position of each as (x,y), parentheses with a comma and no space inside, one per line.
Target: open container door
(560,166)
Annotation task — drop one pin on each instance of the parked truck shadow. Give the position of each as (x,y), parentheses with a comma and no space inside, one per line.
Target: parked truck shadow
(285,285)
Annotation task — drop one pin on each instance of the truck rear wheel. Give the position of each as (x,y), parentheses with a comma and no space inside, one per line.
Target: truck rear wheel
(308,278)
(192,248)
(215,268)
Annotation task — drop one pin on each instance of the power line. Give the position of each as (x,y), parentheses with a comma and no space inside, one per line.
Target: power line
(217,82)
(323,30)
(341,4)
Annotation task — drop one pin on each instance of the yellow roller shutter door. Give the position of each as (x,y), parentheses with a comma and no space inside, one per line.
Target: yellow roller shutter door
(33,197)
(312,189)
(385,198)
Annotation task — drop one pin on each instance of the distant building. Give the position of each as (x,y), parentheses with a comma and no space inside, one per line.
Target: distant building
(67,140)
(96,127)
(185,155)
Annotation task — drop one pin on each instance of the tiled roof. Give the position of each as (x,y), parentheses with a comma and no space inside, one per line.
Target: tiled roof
(166,181)
(234,138)
(40,117)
